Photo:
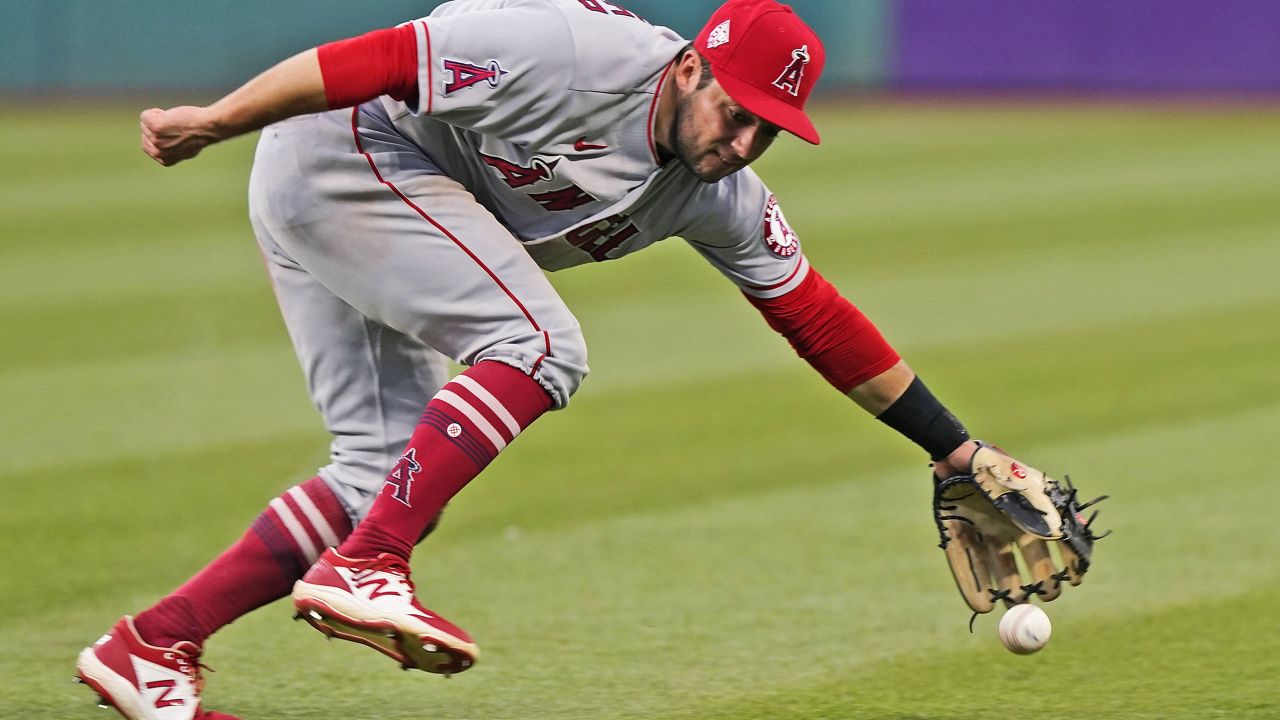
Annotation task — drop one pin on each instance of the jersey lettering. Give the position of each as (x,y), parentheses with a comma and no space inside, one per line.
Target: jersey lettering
(791,77)
(518,176)
(464,75)
(606,8)
(599,239)
(401,477)
(563,199)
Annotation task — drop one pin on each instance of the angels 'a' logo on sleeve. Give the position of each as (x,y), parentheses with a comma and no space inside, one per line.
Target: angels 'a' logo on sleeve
(462,75)
(778,235)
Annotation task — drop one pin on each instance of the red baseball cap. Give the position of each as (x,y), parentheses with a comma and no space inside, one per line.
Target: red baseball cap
(767,59)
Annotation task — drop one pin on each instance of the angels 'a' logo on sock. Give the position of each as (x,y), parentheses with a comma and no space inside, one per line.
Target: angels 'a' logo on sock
(402,476)
(464,74)
(793,75)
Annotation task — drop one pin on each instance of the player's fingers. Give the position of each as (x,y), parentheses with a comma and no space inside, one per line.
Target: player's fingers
(160,155)
(1041,566)
(1005,570)
(148,120)
(968,564)
(1071,563)
(149,146)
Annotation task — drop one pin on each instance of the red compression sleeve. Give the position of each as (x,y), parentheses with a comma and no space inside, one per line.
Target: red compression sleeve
(829,332)
(383,62)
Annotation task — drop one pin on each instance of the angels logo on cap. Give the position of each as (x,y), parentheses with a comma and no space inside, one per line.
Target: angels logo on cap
(772,64)
(791,78)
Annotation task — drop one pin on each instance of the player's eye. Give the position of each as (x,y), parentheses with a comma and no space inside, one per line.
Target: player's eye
(739,117)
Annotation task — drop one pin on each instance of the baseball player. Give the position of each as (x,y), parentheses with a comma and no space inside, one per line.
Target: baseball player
(410,188)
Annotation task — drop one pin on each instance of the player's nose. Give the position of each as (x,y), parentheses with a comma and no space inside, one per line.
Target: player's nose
(748,144)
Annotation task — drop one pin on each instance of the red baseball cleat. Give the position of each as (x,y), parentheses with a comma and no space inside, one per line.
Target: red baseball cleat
(371,601)
(145,682)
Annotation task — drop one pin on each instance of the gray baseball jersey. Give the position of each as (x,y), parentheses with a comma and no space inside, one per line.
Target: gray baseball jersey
(395,231)
(544,109)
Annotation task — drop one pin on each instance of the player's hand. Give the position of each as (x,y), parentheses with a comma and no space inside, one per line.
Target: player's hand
(958,462)
(171,136)
(998,505)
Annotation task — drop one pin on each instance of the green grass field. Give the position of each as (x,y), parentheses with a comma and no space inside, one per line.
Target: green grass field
(710,531)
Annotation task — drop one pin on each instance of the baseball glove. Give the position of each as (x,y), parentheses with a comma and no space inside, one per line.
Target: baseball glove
(1002,503)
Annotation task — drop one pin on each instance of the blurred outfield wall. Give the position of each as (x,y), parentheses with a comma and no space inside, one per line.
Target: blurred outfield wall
(1110,45)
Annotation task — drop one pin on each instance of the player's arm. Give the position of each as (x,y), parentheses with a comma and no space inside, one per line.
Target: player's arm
(847,349)
(339,74)
(741,230)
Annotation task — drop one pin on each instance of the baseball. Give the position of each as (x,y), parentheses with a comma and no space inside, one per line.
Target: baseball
(1025,629)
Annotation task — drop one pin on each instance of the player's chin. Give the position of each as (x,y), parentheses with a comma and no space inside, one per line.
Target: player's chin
(713,169)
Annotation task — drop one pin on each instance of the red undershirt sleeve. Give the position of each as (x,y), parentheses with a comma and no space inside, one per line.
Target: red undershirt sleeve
(359,69)
(829,332)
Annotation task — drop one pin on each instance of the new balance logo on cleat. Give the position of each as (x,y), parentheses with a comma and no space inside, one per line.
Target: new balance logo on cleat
(142,681)
(167,688)
(372,602)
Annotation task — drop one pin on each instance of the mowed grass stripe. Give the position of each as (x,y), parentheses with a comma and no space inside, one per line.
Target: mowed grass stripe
(1187,661)
(131,408)
(762,597)
(133,528)
(701,605)
(1025,185)
(171,304)
(220,394)
(946,165)
(47,275)
(143,326)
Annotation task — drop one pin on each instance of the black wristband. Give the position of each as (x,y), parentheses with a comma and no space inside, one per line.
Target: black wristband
(924,421)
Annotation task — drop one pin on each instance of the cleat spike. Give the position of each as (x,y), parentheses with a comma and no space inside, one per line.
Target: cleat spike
(430,647)
(314,615)
(102,703)
(297,616)
(77,680)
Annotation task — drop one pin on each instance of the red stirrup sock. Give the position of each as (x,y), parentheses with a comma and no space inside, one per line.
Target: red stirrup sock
(463,429)
(259,568)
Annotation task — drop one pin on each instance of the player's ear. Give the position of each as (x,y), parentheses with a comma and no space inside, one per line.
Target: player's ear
(688,70)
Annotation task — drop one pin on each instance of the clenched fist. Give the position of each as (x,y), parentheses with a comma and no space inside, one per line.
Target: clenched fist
(171,136)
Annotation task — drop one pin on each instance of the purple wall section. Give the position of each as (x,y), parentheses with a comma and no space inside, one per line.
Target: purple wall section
(1105,45)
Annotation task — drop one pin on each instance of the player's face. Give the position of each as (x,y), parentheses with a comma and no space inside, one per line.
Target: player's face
(715,136)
